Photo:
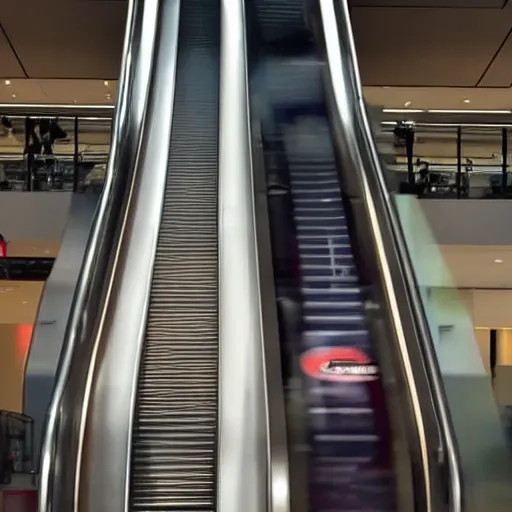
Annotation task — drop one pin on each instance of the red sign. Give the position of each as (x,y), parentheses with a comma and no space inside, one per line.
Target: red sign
(338,364)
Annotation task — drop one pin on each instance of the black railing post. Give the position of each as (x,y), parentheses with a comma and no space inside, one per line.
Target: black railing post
(458,179)
(409,151)
(75,157)
(28,153)
(504,164)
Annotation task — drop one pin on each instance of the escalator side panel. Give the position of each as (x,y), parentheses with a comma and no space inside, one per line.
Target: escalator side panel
(175,432)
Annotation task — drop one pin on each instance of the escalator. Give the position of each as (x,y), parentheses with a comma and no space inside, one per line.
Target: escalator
(363,437)
(347,421)
(177,391)
(349,465)
(174,437)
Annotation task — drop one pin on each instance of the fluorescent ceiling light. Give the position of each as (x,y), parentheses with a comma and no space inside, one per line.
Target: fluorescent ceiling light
(7,82)
(407,104)
(466,101)
(402,111)
(463,111)
(498,261)
(442,111)
(53,106)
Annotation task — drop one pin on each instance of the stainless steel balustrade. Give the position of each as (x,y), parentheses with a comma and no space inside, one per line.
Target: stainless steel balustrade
(93,410)
(356,148)
(250,461)
(61,451)
(107,434)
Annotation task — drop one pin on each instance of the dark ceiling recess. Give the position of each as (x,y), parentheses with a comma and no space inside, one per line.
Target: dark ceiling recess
(439,4)
(25,269)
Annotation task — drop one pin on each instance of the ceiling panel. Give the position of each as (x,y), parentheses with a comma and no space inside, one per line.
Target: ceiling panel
(499,73)
(464,4)
(66,39)
(63,91)
(475,267)
(80,91)
(9,65)
(19,90)
(432,98)
(19,301)
(423,47)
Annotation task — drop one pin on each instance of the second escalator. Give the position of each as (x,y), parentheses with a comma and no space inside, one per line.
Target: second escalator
(346,426)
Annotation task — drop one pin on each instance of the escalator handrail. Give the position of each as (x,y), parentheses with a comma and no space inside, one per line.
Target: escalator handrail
(253,460)
(86,307)
(336,29)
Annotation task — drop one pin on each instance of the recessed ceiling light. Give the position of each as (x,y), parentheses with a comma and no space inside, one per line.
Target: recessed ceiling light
(25,302)
(407,104)
(13,95)
(7,82)
(105,83)
(108,96)
(498,261)
(74,101)
(466,101)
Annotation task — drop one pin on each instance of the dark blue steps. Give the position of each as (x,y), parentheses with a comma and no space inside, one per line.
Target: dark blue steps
(344,392)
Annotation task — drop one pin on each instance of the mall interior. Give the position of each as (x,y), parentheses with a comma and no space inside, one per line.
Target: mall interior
(255,255)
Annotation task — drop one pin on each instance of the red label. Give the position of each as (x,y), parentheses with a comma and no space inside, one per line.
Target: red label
(338,364)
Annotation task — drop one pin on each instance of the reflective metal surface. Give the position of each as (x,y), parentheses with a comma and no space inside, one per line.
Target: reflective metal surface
(107,438)
(174,440)
(54,307)
(279,477)
(243,418)
(60,459)
(355,136)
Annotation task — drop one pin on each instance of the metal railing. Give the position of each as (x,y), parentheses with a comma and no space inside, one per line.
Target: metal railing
(16,441)
(60,457)
(357,148)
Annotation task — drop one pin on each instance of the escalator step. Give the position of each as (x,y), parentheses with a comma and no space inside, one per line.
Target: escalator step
(175,430)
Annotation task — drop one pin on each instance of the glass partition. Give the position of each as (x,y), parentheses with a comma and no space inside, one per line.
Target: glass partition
(12,153)
(435,160)
(53,153)
(482,161)
(427,160)
(94,146)
(479,424)
(448,161)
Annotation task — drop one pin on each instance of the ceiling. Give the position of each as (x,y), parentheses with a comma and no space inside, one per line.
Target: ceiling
(58,91)
(19,301)
(479,266)
(440,98)
(61,38)
(33,248)
(455,44)
(432,53)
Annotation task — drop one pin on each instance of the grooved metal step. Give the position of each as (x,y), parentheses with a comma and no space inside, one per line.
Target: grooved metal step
(175,430)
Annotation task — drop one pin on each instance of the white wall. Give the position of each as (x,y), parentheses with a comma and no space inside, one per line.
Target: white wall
(34,215)
(453,333)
